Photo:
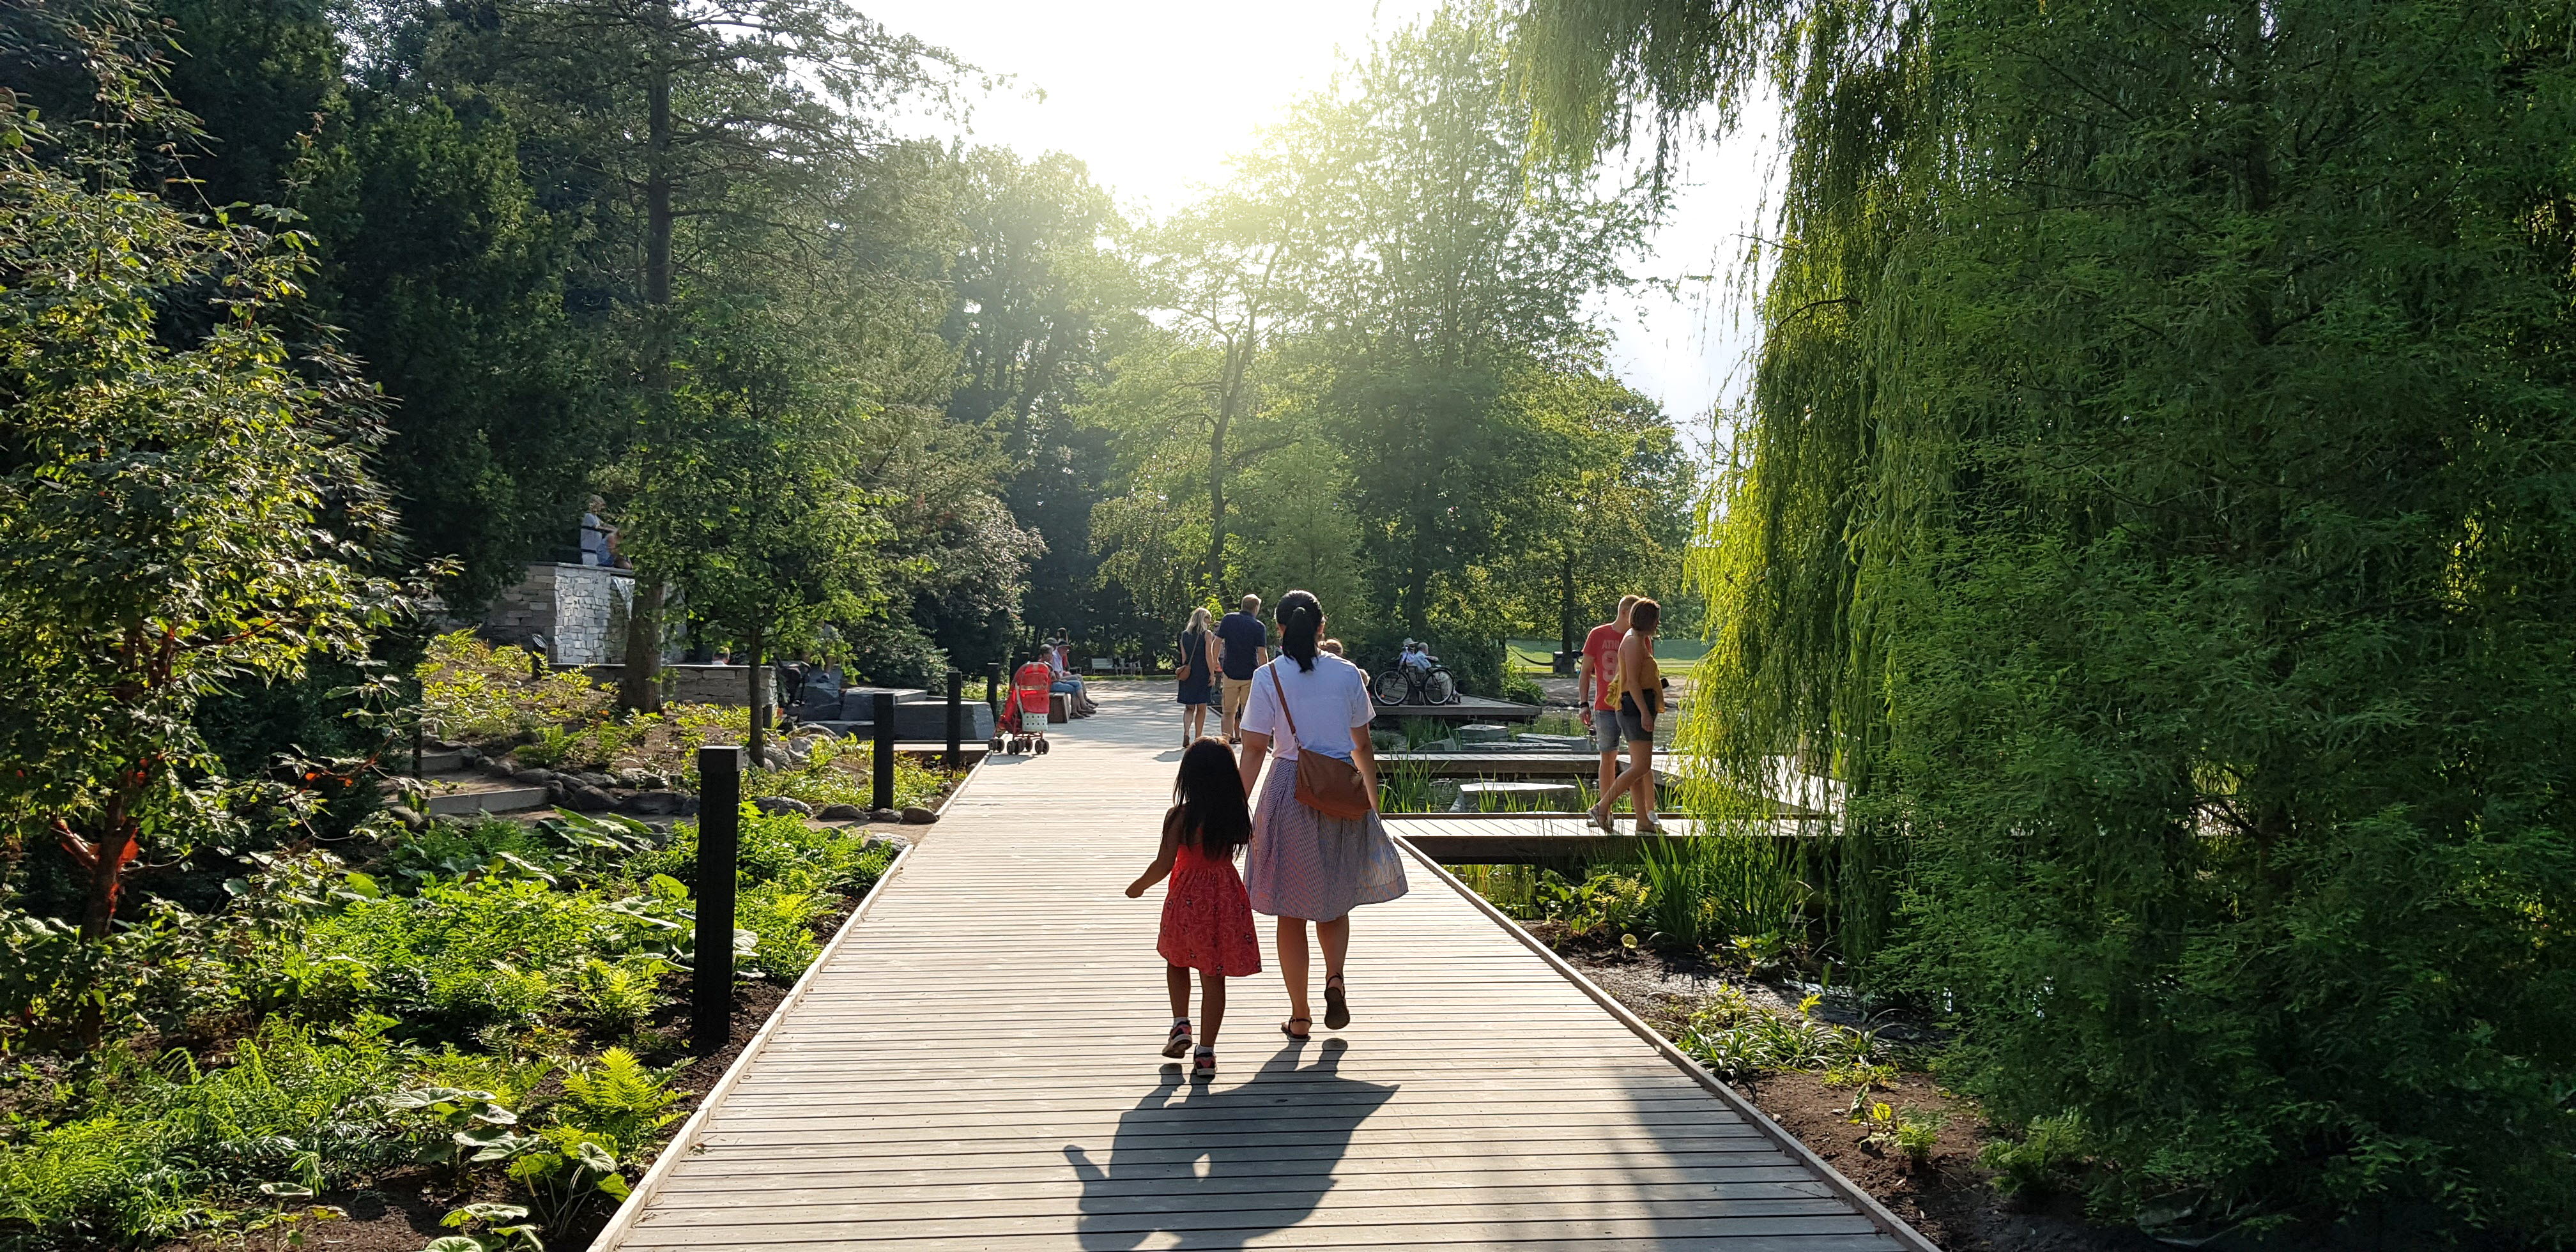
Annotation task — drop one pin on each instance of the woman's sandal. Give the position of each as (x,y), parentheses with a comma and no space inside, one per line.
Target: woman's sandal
(1300,1036)
(1179,1044)
(1600,815)
(1203,1065)
(1337,1009)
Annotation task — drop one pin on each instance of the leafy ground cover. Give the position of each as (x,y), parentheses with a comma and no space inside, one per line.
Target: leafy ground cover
(1864,1092)
(481,1018)
(514,707)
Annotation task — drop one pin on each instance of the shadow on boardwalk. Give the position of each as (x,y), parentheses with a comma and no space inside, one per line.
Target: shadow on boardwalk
(1270,1146)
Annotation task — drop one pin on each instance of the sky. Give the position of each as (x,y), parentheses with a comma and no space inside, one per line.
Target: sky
(1153,95)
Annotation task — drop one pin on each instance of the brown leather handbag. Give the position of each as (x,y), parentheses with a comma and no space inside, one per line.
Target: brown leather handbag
(1329,785)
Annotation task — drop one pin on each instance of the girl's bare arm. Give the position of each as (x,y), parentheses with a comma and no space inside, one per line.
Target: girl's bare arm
(1162,866)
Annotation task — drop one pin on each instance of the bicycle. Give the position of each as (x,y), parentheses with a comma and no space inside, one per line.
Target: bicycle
(1402,684)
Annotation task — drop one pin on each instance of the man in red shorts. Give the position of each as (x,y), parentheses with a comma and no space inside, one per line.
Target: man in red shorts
(1597,686)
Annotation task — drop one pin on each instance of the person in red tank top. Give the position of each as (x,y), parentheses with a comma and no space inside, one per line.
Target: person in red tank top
(1598,688)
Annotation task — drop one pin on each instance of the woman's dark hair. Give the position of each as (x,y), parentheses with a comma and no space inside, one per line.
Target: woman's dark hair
(1301,622)
(1210,793)
(1646,616)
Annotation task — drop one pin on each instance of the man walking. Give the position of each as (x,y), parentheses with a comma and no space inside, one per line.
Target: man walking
(1247,648)
(1597,686)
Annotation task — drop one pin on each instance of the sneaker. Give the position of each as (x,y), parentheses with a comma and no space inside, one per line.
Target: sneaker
(1203,1065)
(1179,1043)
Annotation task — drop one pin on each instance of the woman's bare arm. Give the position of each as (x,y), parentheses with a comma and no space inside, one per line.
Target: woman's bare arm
(1255,746)
(1364,755)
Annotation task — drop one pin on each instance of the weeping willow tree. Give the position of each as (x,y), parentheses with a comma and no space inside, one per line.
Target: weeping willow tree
(2158,516)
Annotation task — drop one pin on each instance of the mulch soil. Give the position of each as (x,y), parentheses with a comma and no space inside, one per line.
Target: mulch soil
(1949,1199)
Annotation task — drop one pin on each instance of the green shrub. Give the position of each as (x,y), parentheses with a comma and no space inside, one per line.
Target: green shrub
(286,1093)
(840,772)
(2043,1160)
(489,951)
(510,1079)
(621,1100)
(779,849)
(475,692)
(783,919)
(1603,903)
(183,1145)
(1734,1037)
(617,996)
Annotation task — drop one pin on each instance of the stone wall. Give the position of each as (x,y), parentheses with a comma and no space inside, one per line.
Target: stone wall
(580,609)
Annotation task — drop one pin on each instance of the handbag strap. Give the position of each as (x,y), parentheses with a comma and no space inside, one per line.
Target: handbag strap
(1283,707)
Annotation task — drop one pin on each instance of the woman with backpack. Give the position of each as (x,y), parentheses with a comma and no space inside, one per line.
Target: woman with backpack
(1196,669)
(1318,849)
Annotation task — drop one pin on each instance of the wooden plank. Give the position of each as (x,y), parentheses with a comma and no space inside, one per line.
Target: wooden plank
(976,1065)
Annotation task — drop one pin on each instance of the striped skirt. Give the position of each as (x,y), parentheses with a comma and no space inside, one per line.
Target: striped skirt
(1304,864)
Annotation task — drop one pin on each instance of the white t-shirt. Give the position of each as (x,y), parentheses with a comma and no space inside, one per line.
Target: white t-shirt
(1327,702)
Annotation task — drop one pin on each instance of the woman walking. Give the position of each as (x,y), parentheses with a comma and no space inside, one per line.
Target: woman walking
(1641,701)
(1318,849)
(1197,672)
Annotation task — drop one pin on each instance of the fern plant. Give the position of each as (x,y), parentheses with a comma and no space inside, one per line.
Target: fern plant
(621,1099)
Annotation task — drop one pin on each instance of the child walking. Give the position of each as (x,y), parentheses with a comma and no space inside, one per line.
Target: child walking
(1207,918)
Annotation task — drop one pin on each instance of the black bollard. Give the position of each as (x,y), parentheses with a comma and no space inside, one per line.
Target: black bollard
(956,719)
(719,842)
(885,750)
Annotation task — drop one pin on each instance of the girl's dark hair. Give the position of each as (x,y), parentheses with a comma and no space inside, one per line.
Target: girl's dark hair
(1646,616)
(1301,621)
(1210,793)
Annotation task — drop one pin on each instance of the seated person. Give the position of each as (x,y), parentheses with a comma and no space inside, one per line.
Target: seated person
(1059,659)
(1416,657)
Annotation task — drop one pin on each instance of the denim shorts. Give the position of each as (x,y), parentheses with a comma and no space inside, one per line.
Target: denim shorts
(1605,731)
(1632,722)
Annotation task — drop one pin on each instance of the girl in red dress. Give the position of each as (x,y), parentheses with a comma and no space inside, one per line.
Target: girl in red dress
(1207,918)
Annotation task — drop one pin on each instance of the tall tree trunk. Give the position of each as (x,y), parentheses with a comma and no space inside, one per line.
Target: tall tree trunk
(1565,604)
(1229,387)
(1417,596)
(107,861)
(641,688)
(757,699)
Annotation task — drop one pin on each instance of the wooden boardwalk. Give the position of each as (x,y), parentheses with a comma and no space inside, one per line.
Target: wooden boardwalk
(973,1064)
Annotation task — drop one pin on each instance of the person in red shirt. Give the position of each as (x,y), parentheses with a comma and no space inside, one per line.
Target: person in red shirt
(1597,686)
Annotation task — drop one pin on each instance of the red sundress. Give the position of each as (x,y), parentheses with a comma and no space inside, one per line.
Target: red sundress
(1207,918)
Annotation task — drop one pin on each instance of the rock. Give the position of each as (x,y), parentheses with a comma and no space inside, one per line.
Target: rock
(777,758)
(585,798)
(557,792)
(842,813)
(593,778)
(918,816)
(498,768)
(533,776)
(651,802)
(688,804)
(775,805)
(888,816)
(403,813)
(470,756)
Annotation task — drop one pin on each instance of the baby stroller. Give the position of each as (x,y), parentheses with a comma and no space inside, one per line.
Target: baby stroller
(1024,717)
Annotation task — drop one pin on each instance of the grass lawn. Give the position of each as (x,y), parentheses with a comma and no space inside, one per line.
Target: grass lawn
(1530,656)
